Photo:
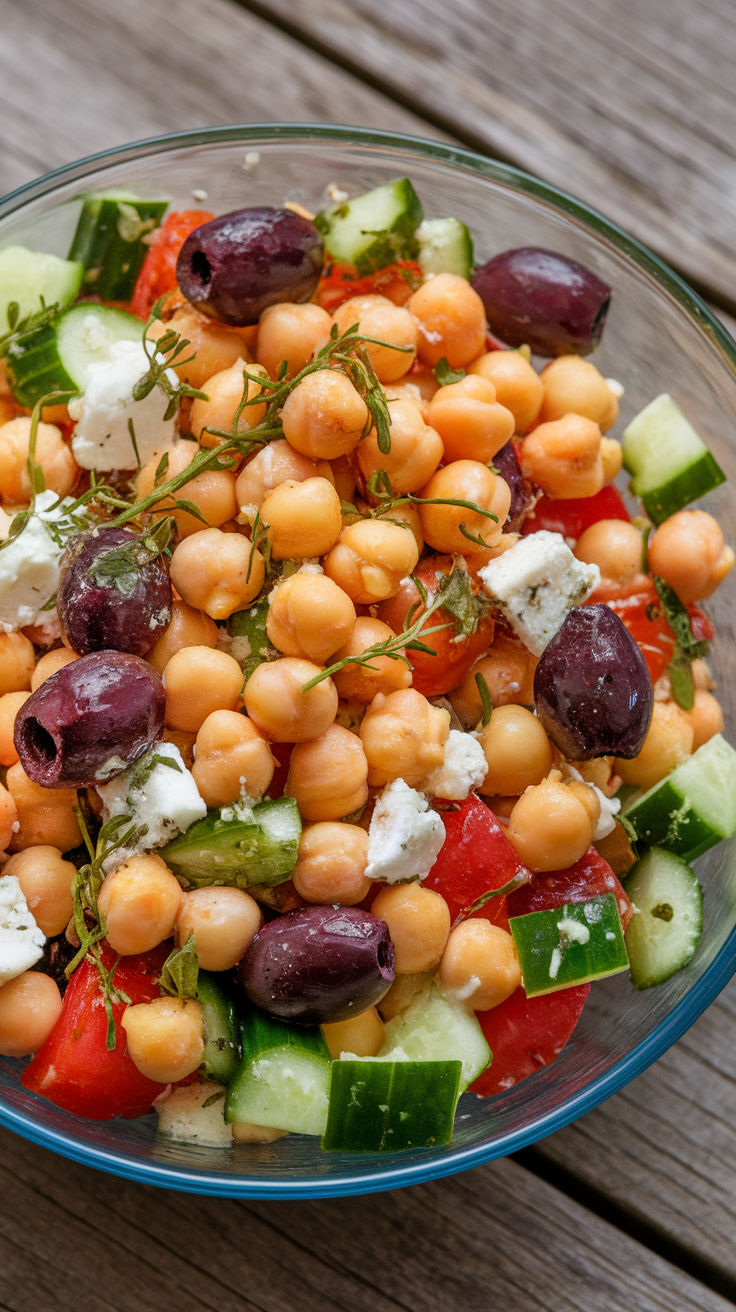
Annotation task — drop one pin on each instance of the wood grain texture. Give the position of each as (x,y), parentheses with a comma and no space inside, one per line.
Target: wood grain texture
(630,106)
(495,1238)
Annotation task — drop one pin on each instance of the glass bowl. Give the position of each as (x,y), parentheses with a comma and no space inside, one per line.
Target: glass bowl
(659,337)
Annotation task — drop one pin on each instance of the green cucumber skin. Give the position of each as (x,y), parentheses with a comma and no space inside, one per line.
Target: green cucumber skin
(43,359)
(391,1106)
(236,852)
(667,816)
(396,242)
(221,1030)
(685,487)
(537,938)
(658,949)
(260,1033)
(662,818)
(112,264)
(264,1037)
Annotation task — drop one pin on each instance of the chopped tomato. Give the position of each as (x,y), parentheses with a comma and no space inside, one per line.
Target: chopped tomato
(571,518)
(475,857)
(591,876)
(525,1034)
(74,1068)
(638,607)
(340,282)
(158,274)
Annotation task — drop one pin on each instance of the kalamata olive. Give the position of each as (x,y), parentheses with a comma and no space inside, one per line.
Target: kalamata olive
(234,267)
(543,299)
(90,720)
(523,494)
(592,689)
(114,593)
(319,964)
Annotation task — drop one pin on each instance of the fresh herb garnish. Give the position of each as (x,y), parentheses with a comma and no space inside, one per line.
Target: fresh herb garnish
(143,769)
(485,698)
(180,971)
(121,566)
(446,375)
(164,353)
(687,647)
(10,342)
(518,880)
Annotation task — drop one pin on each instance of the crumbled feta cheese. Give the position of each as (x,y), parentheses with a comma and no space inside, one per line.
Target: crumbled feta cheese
(182,1115)
(404,837)
(102,438)
(236,646)
(21,941)
(163,797)
(463,768)
(573,931)
(610,806)
(536,583)
(29,564)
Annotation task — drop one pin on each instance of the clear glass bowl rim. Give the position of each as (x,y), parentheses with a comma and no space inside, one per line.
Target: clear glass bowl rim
(717,975)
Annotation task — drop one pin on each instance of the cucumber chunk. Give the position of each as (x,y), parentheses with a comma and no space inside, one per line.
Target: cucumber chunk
(389,1106)
(665,930)
(435,1028)
(283,1080)
(27,276)
(374,229)
(445,246)
(670,464)
(239,845)
(109,241)
(568,945)
(221,1031)
(694,807)
(57,357)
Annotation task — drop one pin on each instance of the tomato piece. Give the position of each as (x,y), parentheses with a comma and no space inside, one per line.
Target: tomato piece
(525,1034)
(158,273)
(638,607)
(340,282)
(74,1068)
(475,857)
(591,876)
(571,518)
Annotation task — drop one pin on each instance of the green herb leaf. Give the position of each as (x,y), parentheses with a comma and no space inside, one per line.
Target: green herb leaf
(121,566)
(485,698)
(516,881)
(445,375)
(11,343)
(687,647)
(144,768)
(213,1098)
(181,971)
(680,673)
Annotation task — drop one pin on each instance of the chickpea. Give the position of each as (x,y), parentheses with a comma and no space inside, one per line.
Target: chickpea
(416,450)
(212,492)
(291,333)
(165,1038)
(360,683)
(52,454)
(324,417)
(49,664)
(44,815)
(46,881)
(668,743)
(10,704)
(309,616)
(589,799)
(371,558)
(687,551)
(466,480)
(451,321)
(404,737)
(706,718)
(224,395)
(344,475)
(328,777)
(564,457)
(517,750)
(480,961)
(217,572)
(469,419)
(30,1006)
(304,518)
(17,659)
(518,386)
(245,1132)
(614,546)
(549,827)
(213,346)
(140,903)
(378,317)
(199,681)
(612,459)
(280,710)
(273,465)
(508,669)
(572,385)
(418,921)
(232,759)
(224,922)
(407,517)
(184,741)
(188,628)
(331,864)
(362,1035)
(417,388)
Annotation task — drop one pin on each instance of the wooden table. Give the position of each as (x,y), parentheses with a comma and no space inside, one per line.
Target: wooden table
(633,107)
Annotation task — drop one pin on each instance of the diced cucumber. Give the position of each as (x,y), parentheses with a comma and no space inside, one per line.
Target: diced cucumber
(27,276)
(109,241)
(670,464)
(445,246)
(435,1027)
(389,1106)
(57,357)
(283,1080)
(221,1030)
(239,845)
(694,807)
(374,229)
(665,929)
(568,945)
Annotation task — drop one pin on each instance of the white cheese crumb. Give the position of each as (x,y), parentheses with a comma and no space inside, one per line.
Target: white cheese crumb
(536,583)
(404,837)
(336,193)
(463,768)
(29,564)
(167,800)
(199,194)
(610,806)
(21,941)
(102,438)
(555,962)
(251,161)
(616,387)
(182,1115)
(573,931)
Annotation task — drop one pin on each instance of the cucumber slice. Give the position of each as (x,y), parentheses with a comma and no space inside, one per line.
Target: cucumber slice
(283,1080)
(389,1106)
(435,1027)
(239,845)
(221,1031)
(571,944)
(445,246)
(57,357)
(665,929)
(694,807)
(109,241)
(670,463)
(27,276)
(375,229)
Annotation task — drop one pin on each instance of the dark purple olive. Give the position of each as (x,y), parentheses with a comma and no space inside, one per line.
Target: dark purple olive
(523,494)
(90,720)
(234,267)
(592,689)
(114,594)
(537,297)
(319,964)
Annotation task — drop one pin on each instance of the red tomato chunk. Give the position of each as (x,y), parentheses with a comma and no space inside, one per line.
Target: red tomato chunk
(525,1034)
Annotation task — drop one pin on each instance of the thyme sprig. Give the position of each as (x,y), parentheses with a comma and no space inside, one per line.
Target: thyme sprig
(121,566)
(180,972)
(10,342)
(164,353)
(687,647)
(379,487)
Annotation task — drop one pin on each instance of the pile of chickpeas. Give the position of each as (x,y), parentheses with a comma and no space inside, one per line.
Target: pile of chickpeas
(354,733)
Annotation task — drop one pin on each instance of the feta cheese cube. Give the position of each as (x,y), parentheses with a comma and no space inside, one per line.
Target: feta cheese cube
(21,941)
(404,837)
(102,438)
(182,1115)
(536,582)
(29,564)
(163,797)
(464,767)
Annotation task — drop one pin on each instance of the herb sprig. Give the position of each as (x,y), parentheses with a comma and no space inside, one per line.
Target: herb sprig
(687,647)
(180,972)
